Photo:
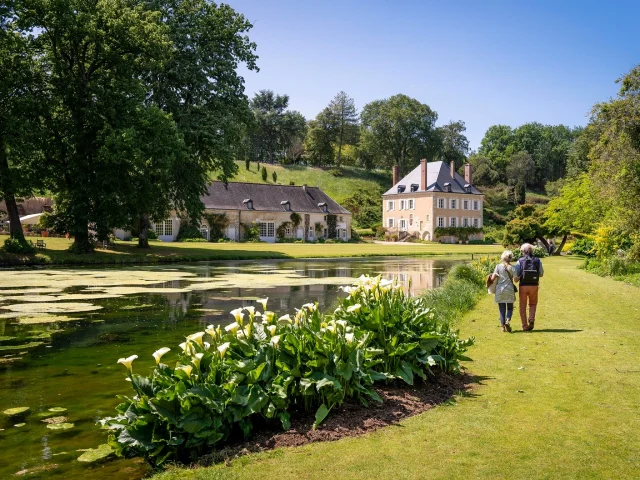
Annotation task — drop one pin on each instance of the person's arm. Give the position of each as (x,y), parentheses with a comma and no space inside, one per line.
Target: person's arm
(516,272)
(495,273)
(541,269)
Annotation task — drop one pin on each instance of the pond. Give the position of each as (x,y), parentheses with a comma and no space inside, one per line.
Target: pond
(62,331)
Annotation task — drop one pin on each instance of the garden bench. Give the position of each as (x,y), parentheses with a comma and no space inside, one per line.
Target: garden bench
(107,245)
(40,244)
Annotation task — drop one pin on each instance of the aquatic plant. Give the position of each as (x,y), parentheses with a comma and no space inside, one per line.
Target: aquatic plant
(260,368)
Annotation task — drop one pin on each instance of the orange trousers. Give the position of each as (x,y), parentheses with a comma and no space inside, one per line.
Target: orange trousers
(528,294)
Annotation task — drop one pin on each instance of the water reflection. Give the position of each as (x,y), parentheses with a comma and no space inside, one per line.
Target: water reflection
(74,364)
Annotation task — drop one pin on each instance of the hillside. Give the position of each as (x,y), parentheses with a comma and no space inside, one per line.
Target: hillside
(338,184)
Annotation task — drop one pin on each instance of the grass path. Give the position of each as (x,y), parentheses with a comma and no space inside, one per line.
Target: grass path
(560,402)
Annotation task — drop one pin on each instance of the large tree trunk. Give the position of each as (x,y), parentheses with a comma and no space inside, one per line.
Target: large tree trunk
(558,250)
(15,227)
(143,236)
(544,242)
(81,240)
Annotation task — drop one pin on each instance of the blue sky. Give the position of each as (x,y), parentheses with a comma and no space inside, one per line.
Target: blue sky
(483,62)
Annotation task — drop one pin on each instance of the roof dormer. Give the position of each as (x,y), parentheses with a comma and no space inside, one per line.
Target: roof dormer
(324,207)
(248,203)
(401,188)
(447,187)
(414,187)
(286,204)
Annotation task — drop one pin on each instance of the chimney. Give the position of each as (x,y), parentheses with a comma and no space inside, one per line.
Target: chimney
(396,174)
(452,169)
(467,173)
(423,174)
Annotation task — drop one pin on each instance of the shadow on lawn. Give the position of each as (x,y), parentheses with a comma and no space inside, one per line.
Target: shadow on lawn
(549,330)
(353,418)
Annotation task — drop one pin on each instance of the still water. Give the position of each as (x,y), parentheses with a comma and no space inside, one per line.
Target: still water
(62,331)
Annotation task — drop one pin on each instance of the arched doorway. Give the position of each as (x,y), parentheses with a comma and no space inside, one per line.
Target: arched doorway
(426,236)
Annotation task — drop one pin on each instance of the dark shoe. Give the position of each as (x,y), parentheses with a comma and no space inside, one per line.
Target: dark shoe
(526,328)
(503,328)
(508,327)
(531,322)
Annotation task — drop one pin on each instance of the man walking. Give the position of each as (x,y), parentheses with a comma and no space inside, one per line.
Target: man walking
(528,271)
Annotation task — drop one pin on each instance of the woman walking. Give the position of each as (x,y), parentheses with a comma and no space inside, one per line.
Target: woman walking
(505,289)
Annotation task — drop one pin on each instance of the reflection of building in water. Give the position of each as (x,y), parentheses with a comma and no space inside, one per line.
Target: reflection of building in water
(417,277)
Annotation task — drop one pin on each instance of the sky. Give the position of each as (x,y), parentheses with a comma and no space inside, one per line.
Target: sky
(482,62)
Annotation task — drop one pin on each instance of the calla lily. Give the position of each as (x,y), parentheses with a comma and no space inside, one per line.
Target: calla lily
(251,309)
(232,327)
(309,306)
(128,361)
(211,330)
(159,353)
(238,315)
(354,308)
(285,319)
(275,340)
(249,329)
(196,337)
(267,317)
(263,302)
(197,359)
(223,348)
(331,328)
(186,348)
(272,330)
(349,337)
(186,369)
(342,323)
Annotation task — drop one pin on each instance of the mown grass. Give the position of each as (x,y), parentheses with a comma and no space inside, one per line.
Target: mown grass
(160,252)
(559,402)
(351,179)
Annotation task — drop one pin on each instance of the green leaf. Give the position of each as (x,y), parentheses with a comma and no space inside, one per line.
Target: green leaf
(404,372)
(321,414)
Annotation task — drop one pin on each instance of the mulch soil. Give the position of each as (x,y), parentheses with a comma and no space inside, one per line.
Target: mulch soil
(352,418)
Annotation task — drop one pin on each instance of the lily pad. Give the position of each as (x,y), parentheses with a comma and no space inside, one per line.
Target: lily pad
(18,425)
(57,409)
(34,320)
(13,412)
(50,307)
(60,426)
(41,468)
(96,454)
(144,306)
(54,420)
(4,348)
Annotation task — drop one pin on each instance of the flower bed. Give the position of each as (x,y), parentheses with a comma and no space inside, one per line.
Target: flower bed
(261,367)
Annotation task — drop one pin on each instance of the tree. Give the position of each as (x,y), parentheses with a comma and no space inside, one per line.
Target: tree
(276,128)
(521,169)
(520,192)
(264,173)
(318,143)
(454,145)
(497,146)
(527,226)
(22,102)
(345,120)
(483,171)
(274,176)
(398,130)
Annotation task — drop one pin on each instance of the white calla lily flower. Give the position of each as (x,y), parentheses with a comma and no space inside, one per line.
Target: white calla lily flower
(310,306)
(232,327)
(275,340)
(186,369)
(331,328)
(196,337)
(354,308)
(263,302)
(223,348)
(127,362)
(268,316)
(211,330)
(197,358)
(342,323)
(251,309)
(272,330)
(159,353)
(207,345)
(285,319)
(238,315)
(349,337)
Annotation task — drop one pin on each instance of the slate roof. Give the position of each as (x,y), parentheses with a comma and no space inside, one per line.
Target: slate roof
(438,173)
(265,197)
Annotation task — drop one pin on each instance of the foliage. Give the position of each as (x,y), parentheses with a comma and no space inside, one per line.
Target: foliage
(537,252)
(264,173)
(188,231)
(520,193)
(364,205)
(13,245)
(461,233)
(453,144)
(398,130)
(251,232)
(332,222)
(274,176)
(217,223)
(607,241)
(527,226)
(281,231)
(247,163)
(296,219)
(345,118)
(583,246)
(251,370)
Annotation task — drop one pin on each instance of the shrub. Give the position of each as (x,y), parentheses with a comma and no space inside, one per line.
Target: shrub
(247,164)
(188,231)
(251,232)
(13,245)
(274,175)
(264,173)
(194,240)
(468,273)
(380,231)
(252,371)
(151,234)
(291,182)
(583,246)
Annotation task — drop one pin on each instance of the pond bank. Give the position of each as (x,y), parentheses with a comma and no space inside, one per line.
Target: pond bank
(126,253)
(558,402)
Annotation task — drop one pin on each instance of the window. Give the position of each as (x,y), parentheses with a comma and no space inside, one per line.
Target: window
(310,232)
(390,222)
(168,227)
(340,219)
(412,204)
(465,222)
(403,224)
(344,234)
(267,229)
(441,203)
(475,222)
(453,222)
(465,204)
(287,230)
(326,233)
(453,203)
(427,217)
(475,204)
(441,222)
(402,203)
(390,206)
(204,231)
(411,219)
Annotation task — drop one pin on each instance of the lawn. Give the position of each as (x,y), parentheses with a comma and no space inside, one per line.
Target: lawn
(128,253)
(350,180)
(559,402)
